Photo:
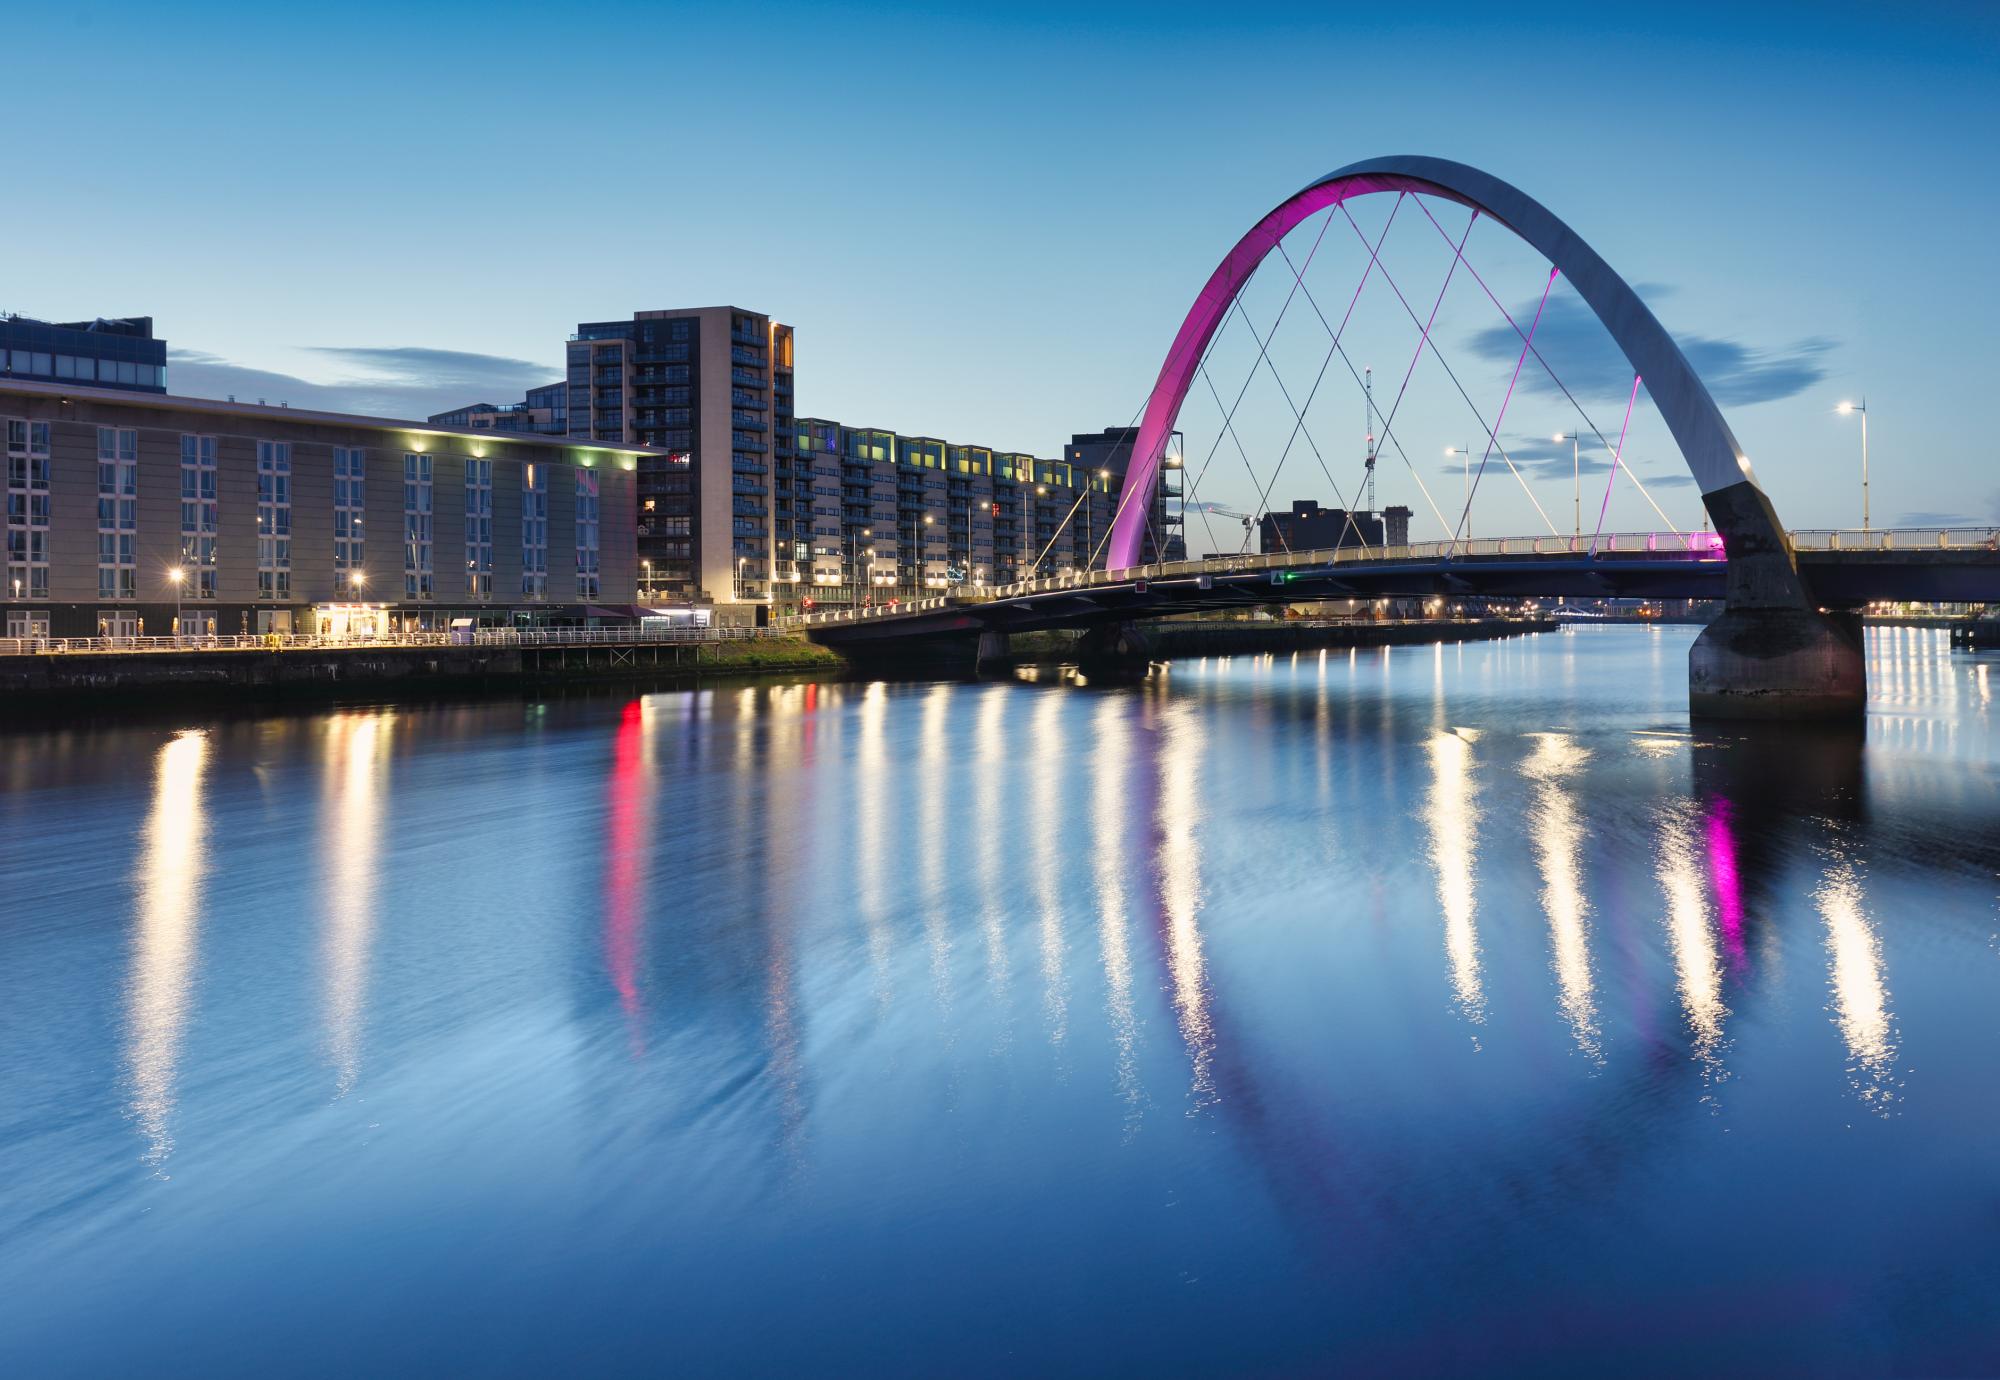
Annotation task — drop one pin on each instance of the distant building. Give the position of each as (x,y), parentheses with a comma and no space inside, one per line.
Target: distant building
(106,353)
(127,511)
(900,517)
(1309,527)
(544,412)
(1101,459)
(724,515)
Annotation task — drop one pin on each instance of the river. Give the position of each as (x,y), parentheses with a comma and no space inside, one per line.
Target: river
(1395,1011)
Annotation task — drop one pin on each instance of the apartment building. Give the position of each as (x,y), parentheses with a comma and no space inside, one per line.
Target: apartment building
(132,513)
(109,352)
(725,515)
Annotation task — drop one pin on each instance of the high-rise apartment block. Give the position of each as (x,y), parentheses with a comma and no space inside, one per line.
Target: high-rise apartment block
(712,388)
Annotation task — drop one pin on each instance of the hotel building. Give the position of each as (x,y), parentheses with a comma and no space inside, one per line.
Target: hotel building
(133,513)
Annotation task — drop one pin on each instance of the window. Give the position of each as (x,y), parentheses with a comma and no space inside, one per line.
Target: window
(27,509)
(478,529)
(198,525)
(417,527)
(274,520)
(535,531)
(587,584)
(350,510)
(117,512)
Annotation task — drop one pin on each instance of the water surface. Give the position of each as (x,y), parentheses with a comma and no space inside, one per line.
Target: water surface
(1389,1012)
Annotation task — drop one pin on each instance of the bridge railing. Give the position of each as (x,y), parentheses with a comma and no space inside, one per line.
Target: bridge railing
(1897,539)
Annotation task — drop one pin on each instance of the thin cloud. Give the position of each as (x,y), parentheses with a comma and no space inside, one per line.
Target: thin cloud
(1576,345)
(1925,518)
(404,382)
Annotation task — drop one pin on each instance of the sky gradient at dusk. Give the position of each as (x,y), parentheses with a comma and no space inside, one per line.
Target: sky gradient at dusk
(987,226)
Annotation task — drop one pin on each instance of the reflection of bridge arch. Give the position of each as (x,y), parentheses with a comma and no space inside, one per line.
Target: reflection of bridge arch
(1761,567)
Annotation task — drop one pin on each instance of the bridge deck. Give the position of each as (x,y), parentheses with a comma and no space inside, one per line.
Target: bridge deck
(1842,568)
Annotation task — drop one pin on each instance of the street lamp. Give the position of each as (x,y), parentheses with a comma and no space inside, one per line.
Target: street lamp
(917,557)
(739,575)
(854,585)
(1466,451)
(175,577)
(1862,408)
(1576,474)
(646,579)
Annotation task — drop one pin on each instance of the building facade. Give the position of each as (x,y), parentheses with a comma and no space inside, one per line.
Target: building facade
(543,412)
(1101,458)
(896,517)
(117,353)
(131,514)
(724,512)
(1309,527)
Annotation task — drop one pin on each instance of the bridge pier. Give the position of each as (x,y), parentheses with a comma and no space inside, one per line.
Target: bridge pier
(993,655)
(1793,664)
(1110,651)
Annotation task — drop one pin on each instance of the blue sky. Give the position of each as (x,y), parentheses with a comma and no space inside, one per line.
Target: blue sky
(986,224)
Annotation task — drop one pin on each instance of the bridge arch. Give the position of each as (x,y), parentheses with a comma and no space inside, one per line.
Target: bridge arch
(1762,572)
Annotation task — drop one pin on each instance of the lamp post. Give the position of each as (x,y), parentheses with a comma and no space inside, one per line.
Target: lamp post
(1862,408)
(356,580)
(739,576)
(1576,474)
(917,558)
(1466,451)
(854,585)
(646,576)
(175,577)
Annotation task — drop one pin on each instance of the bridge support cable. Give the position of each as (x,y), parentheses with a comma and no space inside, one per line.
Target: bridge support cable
(1492,432)
(1505,402)
(1298,277)
(1298,426)
(1554,377)
(1612,478)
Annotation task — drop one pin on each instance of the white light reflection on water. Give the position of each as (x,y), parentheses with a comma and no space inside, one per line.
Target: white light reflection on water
(1110,770)
(1860,992)
(172,862)
(1557,829)
(1048,849)
(357,749)
(1691,934)
(1451,819)
(1182,735)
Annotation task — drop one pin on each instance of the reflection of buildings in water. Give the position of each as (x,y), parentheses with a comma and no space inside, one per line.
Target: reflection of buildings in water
(1111,767)
(1180,889)
(172,862)
(626,841)
(357,751)
(1855,977)
(1452,819)
(1049,852)
(1558,834)
(1697,967)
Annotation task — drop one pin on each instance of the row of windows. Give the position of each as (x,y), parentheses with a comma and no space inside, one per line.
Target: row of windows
(85,369)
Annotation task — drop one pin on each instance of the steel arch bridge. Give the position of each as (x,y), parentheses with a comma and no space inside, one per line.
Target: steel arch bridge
(1776,651)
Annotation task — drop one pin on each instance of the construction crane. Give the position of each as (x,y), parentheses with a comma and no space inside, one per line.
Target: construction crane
(1221,510)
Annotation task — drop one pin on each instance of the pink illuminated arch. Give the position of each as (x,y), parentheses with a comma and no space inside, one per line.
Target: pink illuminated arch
(1741,512)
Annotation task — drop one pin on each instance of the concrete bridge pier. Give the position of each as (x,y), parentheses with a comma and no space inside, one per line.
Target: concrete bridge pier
(993,655)
(1772,654)
(1114,651)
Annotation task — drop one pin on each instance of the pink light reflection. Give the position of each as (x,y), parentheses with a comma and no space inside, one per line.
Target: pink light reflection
(1724,877)
(624,845)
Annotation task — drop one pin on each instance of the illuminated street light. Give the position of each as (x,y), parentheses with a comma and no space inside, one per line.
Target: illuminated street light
(175,577)
(1845,409)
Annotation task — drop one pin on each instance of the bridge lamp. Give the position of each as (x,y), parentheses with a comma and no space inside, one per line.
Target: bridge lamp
(174,577)
(1466,451)
(1845,409)
(1576,473)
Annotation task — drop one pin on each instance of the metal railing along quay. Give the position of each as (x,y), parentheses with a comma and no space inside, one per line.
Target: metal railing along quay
(478,637)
